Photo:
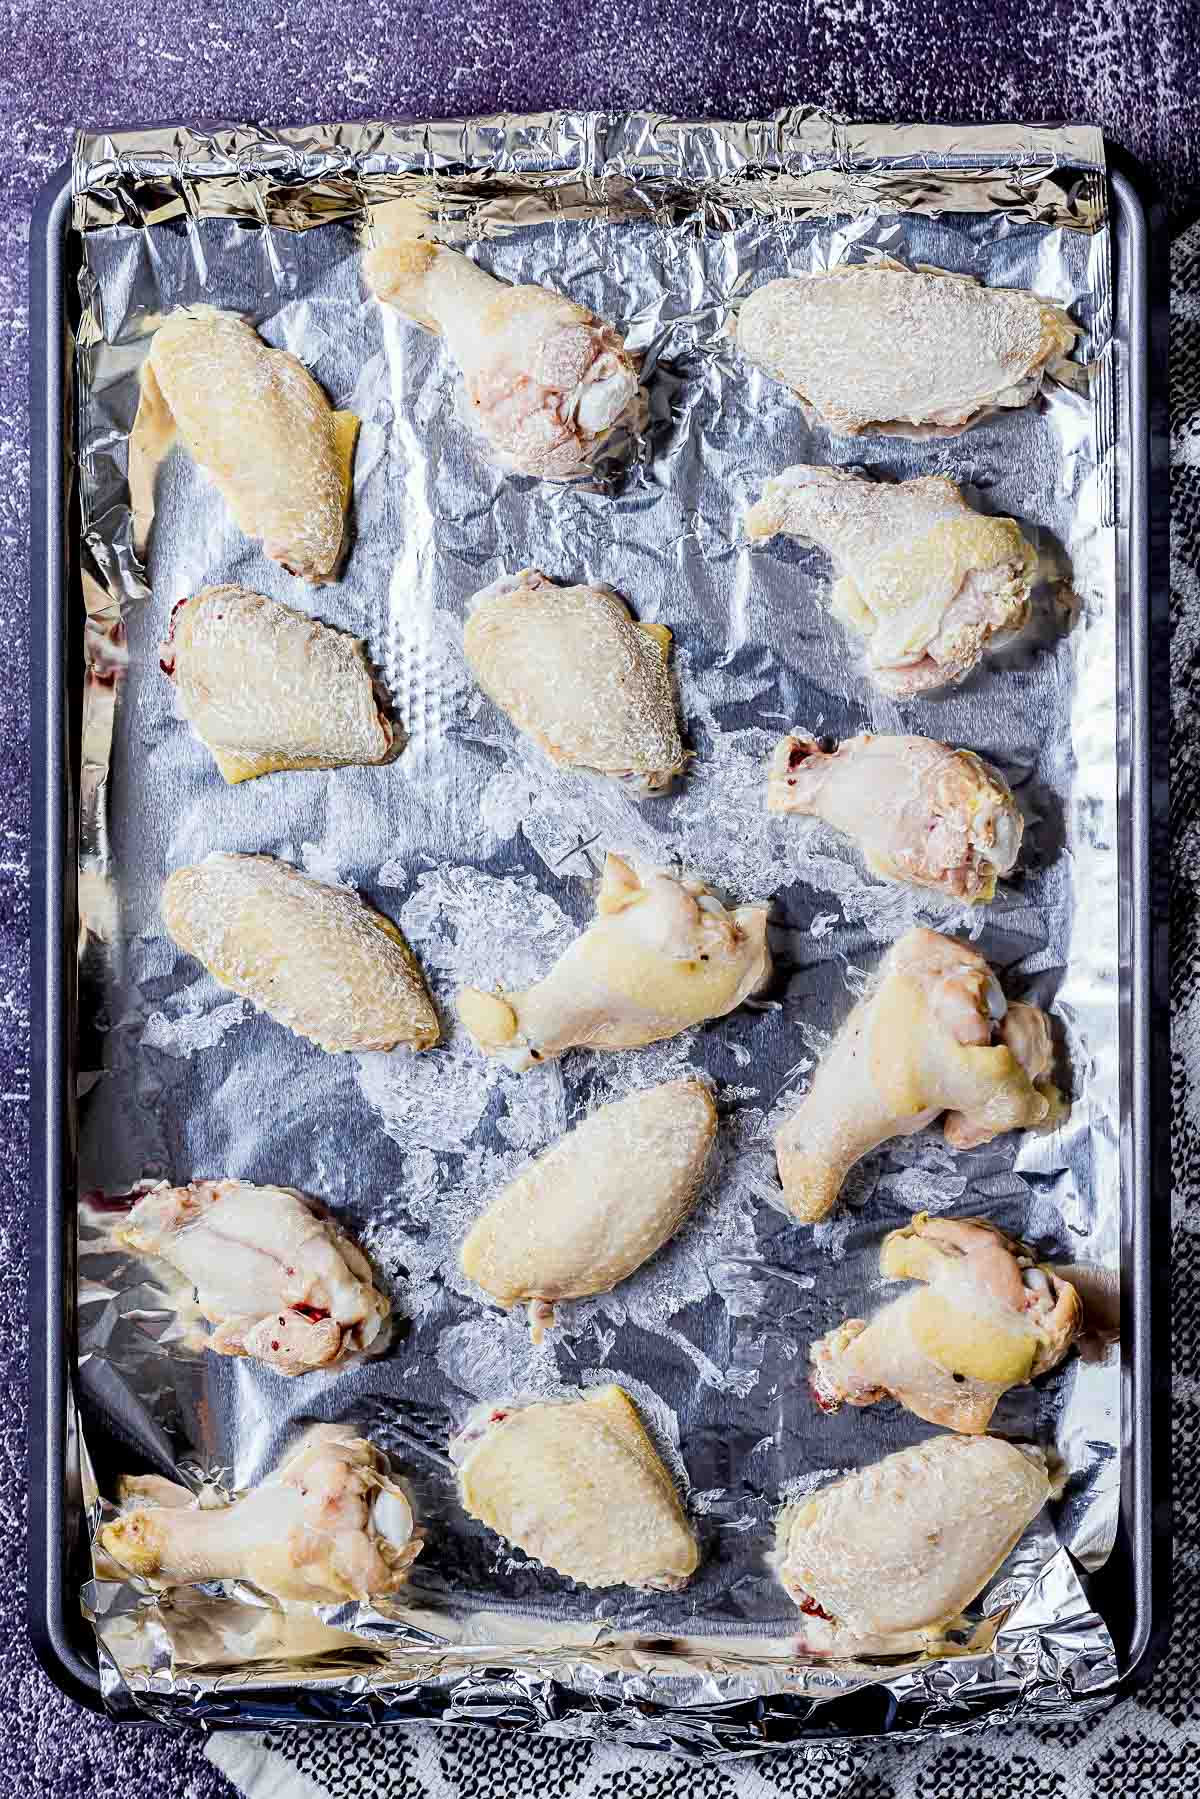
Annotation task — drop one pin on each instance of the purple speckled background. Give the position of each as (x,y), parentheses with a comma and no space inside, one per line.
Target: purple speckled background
(1133,67)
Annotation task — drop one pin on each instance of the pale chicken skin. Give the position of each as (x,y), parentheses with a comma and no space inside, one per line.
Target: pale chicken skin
(896,1551)
(927,583)
(574,672)
(329,1524)
(662,954)
(316,958)
(267,688)
(578,1485)
(594,1207)
(271,1273)
(935,1035)
(256,422)
(878,347)
(921,812)
(987,1316)
(544,380)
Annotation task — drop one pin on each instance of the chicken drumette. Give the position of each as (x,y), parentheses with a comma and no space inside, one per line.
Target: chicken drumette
(271,1273)
(935,1035)
(926,582)
(546,382)
(921,812)
(328,1525)
(987,1317)
(661,954)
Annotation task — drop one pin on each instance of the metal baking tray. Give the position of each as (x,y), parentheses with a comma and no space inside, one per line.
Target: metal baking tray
(1130,1590)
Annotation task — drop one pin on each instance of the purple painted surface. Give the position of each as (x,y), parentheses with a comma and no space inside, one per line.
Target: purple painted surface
(1135,68)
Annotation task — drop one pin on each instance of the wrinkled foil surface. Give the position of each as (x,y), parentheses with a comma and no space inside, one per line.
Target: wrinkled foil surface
(488,859)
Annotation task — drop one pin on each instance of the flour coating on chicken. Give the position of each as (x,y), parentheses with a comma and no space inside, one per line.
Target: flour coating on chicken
(267,688)
(578,1485)
(878,347)
(926,582)
(574,671)
(597,1204)
(317,958)
(545,381)
(662,953)
(256,422)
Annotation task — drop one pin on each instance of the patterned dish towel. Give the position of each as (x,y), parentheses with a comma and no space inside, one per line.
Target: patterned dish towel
(1147,1745)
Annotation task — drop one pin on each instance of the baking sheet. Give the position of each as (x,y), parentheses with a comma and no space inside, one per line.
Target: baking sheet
(487,858)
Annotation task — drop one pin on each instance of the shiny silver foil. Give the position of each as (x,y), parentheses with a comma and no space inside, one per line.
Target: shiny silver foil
(487,859)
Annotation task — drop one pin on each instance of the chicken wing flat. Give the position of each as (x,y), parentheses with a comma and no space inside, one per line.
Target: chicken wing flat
(987,1317)
(921,812)
(330,1524)
(317,958)
(878,347)
(258,424)
(573,671)
(905,1544)
(661,954)
(593,1208)
(578,1485)
(270,1270)
(936,1034)
(268,688)
(925,582)
(545,381)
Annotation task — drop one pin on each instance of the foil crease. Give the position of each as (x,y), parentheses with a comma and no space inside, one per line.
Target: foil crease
(487,859)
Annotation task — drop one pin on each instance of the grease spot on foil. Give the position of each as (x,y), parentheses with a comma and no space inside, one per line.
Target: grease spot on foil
(496,1358)
(195,1027)
(799,1486)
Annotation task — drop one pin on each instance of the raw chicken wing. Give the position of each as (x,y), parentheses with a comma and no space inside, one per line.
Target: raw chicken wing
(921,812)
(988,1317)
(258,424)
(878,347)
(578,1485)
(904,1545)
(546,382)
(328,1525)
(597,1205)
(571,669)
(269,688)
(272,1274)
(926,582)
(315,957)
(661,954)
(935,1035)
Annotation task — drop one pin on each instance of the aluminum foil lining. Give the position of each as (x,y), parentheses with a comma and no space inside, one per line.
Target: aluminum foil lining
(488,859)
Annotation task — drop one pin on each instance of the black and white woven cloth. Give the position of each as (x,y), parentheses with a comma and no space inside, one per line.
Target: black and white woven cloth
(1147,1745)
